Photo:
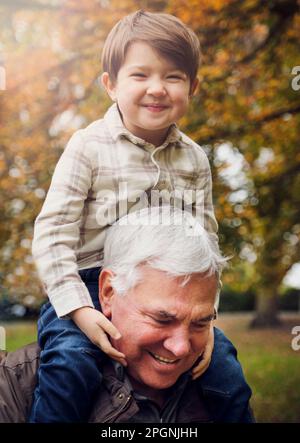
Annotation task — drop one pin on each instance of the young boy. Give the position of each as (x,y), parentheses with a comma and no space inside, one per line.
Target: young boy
(150,63)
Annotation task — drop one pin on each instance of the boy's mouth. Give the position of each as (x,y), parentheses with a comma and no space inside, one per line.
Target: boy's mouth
(155,107)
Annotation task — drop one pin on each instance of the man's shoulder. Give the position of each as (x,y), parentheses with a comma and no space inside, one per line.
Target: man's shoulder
(18,374)
(26,354)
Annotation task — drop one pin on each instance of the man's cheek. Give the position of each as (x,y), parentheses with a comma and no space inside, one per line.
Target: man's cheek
(115,343)
(127,344)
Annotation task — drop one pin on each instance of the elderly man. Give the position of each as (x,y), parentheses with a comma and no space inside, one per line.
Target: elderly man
(158,286)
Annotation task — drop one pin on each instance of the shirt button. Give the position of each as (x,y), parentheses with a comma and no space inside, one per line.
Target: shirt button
(121,396)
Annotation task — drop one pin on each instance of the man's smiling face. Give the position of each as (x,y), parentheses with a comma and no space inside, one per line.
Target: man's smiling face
(164,326)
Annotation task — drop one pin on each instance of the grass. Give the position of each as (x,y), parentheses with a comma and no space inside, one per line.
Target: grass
(271,367)
(19,334)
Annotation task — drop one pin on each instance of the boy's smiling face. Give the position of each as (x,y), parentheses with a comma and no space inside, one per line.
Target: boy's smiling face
(151,92)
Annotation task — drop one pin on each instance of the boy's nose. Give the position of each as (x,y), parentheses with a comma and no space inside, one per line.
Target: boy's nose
(156,88)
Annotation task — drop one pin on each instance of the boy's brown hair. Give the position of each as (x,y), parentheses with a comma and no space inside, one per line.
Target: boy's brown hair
(163,32)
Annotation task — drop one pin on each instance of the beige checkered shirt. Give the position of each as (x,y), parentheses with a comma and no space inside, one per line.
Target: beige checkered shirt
(103,173)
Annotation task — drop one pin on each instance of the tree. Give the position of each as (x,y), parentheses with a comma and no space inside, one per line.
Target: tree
(246,100)
(246,113)
(52,64)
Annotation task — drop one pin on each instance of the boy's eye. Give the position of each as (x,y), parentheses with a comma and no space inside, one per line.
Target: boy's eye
(177,77)
(138,74)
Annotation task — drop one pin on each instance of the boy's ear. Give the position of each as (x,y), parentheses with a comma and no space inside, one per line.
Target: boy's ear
(194,87)
(108,85)
(106,291)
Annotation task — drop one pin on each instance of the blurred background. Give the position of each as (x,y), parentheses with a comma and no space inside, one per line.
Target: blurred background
(247,118)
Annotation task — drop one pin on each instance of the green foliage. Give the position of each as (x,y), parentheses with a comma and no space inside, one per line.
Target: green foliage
(235,301)
(275,384)
(270,365)
(232,301)
(19,334)
(245,104)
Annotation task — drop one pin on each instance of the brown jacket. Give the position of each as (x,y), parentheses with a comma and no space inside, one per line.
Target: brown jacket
(200,402)
(18,374)
(114,403)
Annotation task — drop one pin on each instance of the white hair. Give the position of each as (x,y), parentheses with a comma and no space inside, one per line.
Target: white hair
(164,238)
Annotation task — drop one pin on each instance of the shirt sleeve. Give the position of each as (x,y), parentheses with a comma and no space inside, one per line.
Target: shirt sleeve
(203,208)
(57,229)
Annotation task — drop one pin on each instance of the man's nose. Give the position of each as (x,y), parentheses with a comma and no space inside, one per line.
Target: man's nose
(178,344)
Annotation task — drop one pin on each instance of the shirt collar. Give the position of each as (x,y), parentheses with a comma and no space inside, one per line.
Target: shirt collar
(122,376)
(117,129)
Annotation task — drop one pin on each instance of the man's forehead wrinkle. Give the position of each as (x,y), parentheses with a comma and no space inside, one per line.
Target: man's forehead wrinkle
(160,312)
(167,314)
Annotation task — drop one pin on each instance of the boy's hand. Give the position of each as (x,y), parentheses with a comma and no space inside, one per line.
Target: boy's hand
(96,327)
(206,357)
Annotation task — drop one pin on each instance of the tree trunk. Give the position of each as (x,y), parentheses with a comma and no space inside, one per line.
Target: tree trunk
(266,309)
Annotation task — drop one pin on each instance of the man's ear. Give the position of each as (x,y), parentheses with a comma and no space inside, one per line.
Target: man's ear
(106,291)
(194,87)
(108,85)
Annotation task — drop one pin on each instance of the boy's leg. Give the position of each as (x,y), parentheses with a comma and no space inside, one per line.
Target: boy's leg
(69,375)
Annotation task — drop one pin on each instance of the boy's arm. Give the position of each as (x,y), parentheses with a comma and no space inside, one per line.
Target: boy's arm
(203,211)
(96,326)
(57,229)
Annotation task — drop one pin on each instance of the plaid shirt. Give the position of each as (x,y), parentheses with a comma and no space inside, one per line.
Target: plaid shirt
(103,173)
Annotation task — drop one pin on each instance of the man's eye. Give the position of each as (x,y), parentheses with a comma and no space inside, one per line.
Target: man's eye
(161,321)
(201,325)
